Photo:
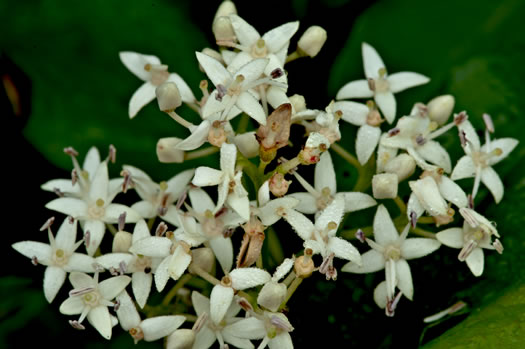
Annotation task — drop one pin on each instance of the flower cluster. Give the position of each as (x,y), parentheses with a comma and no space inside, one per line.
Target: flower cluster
(181,229)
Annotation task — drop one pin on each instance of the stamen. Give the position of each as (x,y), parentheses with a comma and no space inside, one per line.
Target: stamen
(58,192)
(117,305)
(420,140)
(121,221)
(470,201)
(221,92)
(181,199)
(74,177)
(34,260)
(201,321)
(467,250)
(76,325)
(161,229)
(47,224)
(112,153)
(469,217)
(122,267)
(371,84)
(276,73)
(451,310)
(413,219)
(70,151)
(498,246)
(244,304)
(70,220)
(391,305)
(459,118)
(80,291)
(327,267)
(463,138)
(393,132)
(360,235)
(488,122)
(87,238)
(114,271)
(281,324)
(128,182)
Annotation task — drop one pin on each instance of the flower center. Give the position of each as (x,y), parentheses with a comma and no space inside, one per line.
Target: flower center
(324,199)
(381,83)
(393,253)
(159,73)
(91,298)
(60,257)
(136,333)
(143,263)
(481,158)
(259,49)
(235,87)
(97,210)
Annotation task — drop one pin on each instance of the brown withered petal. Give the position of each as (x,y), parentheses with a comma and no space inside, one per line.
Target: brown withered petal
(276,132)
(250,249)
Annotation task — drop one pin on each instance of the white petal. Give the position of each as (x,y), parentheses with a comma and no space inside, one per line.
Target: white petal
(281,341)
(228,157)
(332,213)
(372,61)
(493,182)
(268,213)
(384,230)
(355,201)
(245,33)
(324,176)
(252,70)
(161,274)
(96,233)
(160,326)
(371,261)
(197,138)
(81,280)
(141,285)
(307,203)
(142,96)
(353,112)
(505,144)
(263,196)
(205,176)
(220,300)
(250,328)
(204,338)
(179,262)
(72,306)
(302,225)
(429,196)
(401,81)
(452,237)
(223,249)
(244,278)
(247,144)
(470,134)
(418,247)
(366,142)
(42,252)
(200,303)
(414,206)
(241,58)
(91,161)
(434,153)
(69,206)
(280,36)
(276,96)
(343,249)
(64,185)
(113,212)
(185,91)
(452,192)
(214,69)
(54,278)
(404,278)
(475,261)
(200,200)
(66,235)
(128,315)
(248,104)
(110,288)
(100,319)
(380,296)
(154,246)
(141,231)
(283,269)
(387,104)
(135,62)
(80,262)
(465,168)
(355,89)
(240,204)
(113,260)
(177,184)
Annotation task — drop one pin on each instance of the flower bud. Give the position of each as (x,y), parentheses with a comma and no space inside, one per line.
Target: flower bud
(275,134)
(312,41)
(298,103)
(181,339)
(279,185)
(247,144)
(202,257)
(168,96)
(402,165)
(440,108)
(384,185)
(121,242)
(225,9)
(272,295)
(223,30)
(167,151)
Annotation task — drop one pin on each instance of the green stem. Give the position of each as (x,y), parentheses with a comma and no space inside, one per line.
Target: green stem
(243,123)
(150,222)
(111,228)
(200,153)
(293,56)
(422,232)
(291,289)
(274,245)
(205,275)
(180,283)
(346,155)
(401,205)
(426,220)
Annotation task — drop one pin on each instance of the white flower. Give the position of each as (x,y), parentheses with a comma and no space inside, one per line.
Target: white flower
(233,90)
(369,121)
(91,299)
(321,236)
(322,193)
(150,329)
(228,180)
(380,85)
(479,160)
(158,199)
(140,266)
(95,209)
(415,134)
(391,251)
(59,256)
(149,69)
(476,234)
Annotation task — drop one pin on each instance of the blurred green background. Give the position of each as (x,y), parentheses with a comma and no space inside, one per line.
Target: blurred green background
(61,58)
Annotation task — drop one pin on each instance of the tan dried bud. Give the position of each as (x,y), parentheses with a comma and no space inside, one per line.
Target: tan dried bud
(402,165)
(276,132)
(440,108)
(384,185)
(181,339)
(272,295)
(168,96)
(312,41)
(122,242)
(167,151)
(202,257)
(217,134)
(278,185)
(251,247)
(298,103)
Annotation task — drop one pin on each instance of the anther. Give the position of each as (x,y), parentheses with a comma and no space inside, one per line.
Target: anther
(498,246)
(161,229)
(277,73)
(112,153)
(488,122)
(70,220)
(470,201)
(80,291)
(221,92)
(201,321)
(70,151)
(74,177)
(420,140)
(121,221)
(87,238)
(463,138)
(280,323)
(459,118)
(413,219)
(76,325)
(360,235)
(58,192)
(47,224)
(114,271)
(122,267)
(181,199)
(393,132)
(244,304)
(128,182)
(34,260)
(371,84)
(116,306)
(391,305)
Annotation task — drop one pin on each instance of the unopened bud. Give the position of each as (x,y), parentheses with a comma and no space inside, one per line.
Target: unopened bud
(202,257)
(122,242)
(384,185)
(181,339)
(440,108)
(167,151)
(279,185)
(312,41)
(168,96)
(298,103)
(402,165)
(225,9)
(247,144)
(223,30)
(272,295)
(212,53)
